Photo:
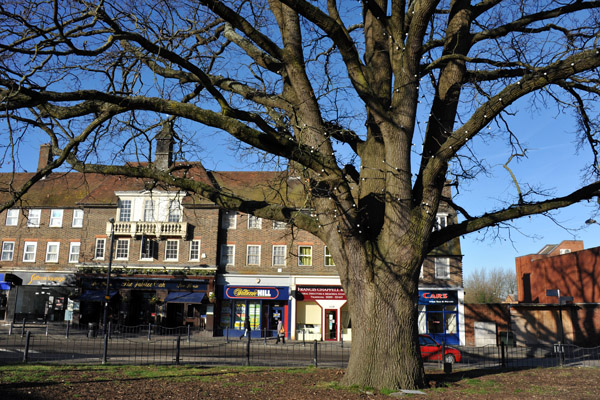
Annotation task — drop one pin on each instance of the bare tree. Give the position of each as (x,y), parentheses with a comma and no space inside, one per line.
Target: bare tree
(489,286)
(333,88)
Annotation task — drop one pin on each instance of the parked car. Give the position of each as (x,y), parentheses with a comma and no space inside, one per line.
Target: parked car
(432,351)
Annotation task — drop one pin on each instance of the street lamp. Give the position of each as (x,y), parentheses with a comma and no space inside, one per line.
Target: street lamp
(110,258)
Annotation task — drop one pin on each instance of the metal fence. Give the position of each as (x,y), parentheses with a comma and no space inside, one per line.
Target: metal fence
(148,344)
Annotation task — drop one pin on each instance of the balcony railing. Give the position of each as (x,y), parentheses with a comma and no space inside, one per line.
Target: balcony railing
(157,229)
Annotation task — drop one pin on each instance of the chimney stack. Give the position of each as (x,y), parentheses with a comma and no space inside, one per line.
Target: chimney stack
(45,156)
(163,158)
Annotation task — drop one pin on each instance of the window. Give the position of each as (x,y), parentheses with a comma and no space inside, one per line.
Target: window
(254,222)
(564,251)
(29,251)
(228,254)
(100,248)
(12,217)
(77,218)
(122,252)
(305,256)
(442,268)
(148,210)
(124,210)
(279,252)
(279,225)
(74,252)
(253,254)
(52,249)
(56,217)
(33,219)
(328,259)
(149,248)
(441,221)
(195,250)
(8,250)
(228,220)
(172,250)
(174,211)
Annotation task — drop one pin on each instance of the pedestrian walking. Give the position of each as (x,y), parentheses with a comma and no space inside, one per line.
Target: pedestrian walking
(280,331)
(247,328)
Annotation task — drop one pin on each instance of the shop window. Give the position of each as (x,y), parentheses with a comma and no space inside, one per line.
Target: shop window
(442,268)
(77,218)
(174,211)
(74,252)
(328,258)
(195,250)
(12,217)
(254,222)
(122,251)
(279,253)
(229,220)
(56,217)
(29,251)
(279,225)
(52,249)
(149,248)
(228,254)
(240,315)
(8,251)
(253,255)
(148,210)
(305,256)
(172,250)
(124,210)
(450,317)
(100,248)
(33,218)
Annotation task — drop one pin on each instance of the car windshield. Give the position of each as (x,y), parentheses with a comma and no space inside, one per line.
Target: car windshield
(427,341)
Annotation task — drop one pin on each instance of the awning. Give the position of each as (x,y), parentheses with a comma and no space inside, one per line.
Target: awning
(96,295)
(184,297)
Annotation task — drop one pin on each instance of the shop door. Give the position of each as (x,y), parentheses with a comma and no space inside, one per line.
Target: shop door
(331,325)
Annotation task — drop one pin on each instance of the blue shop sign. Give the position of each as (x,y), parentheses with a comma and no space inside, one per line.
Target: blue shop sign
(147,284)
(437,297)
(256,293)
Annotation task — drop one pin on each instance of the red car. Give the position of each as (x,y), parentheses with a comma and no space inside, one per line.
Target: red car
(432,351)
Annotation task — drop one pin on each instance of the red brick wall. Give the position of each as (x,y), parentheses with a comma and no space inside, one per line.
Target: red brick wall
(498,313)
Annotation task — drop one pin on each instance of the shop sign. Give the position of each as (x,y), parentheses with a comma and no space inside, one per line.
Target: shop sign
(437,297)
(144,284)
(256,293)
(322,293)
(47,279)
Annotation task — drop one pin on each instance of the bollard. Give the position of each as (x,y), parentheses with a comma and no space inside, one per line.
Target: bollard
(105,349)
(10,328)
(149,331)
(248,350)
(23,328)
(188,333)
(26,351)
(178,349)
(68,329)
(315,363)
(265,335)
(303,337)
(227,335)
(46,329)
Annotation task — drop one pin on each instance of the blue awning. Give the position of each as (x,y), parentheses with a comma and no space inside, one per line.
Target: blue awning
(184,297)
(96,295)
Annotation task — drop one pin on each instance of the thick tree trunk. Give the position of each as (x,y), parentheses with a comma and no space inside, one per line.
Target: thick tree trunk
(385,352)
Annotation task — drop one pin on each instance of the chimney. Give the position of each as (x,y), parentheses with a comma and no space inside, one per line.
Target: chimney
(163,158)
(45,156)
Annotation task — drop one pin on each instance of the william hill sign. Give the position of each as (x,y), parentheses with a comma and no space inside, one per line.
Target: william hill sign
(256,293)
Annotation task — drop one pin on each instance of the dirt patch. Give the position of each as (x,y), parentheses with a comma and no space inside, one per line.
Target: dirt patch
(182,383)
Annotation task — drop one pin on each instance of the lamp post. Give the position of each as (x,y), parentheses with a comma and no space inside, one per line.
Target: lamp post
(110,258)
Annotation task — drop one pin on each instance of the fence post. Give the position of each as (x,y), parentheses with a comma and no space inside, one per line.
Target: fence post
(11,327)
(303,337)
(188,333)
(227,335)
(265,334)
(503,355)
(315,363)
(68,329)
(46,328)
(178,349)
(26,351)
(105,349)
(109,329)
(23,328)
(149,330)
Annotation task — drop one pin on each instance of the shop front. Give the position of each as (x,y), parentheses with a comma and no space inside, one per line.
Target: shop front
(262,305)
(441,314)
(322,313)
(137,301)
(41,296)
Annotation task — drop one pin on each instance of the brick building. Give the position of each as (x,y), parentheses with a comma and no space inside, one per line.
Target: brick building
(180,259)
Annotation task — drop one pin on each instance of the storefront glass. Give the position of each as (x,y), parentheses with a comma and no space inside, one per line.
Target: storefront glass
(438,315)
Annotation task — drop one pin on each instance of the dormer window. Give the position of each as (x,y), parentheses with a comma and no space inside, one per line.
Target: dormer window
(124,210)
